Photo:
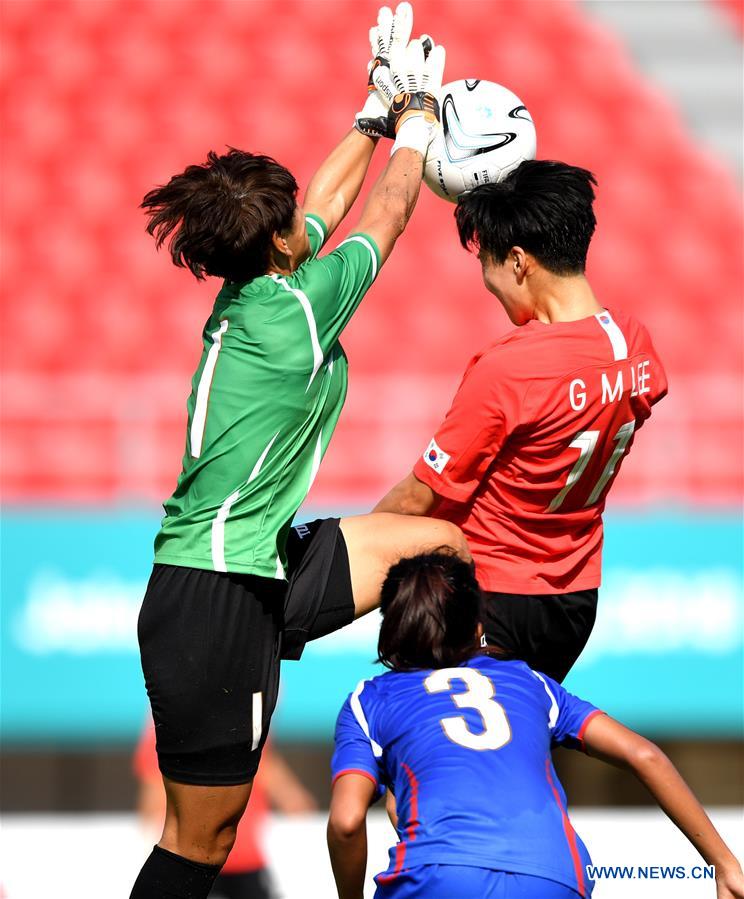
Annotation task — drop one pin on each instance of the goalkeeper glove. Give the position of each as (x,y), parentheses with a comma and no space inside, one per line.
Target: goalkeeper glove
(414,113)
(392,30)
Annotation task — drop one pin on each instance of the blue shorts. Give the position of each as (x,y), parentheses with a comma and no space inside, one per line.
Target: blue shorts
(466,882)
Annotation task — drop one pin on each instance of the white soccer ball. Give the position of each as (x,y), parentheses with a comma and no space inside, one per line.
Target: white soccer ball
(485,133)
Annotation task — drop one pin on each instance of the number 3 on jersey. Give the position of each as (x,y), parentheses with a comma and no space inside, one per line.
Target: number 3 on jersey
(586,442)
(479,696)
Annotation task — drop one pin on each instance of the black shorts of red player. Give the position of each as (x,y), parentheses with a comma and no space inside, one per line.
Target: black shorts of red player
(548,631)
(244,885)
(211,644)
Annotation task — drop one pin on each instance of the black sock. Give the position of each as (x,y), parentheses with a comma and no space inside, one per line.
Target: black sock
(166,875)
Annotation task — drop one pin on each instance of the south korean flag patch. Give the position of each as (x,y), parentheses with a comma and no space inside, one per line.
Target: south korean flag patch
(435,457)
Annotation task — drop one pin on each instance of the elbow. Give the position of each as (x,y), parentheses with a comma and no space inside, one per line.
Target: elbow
(345,825)
(395,212)
(419,499)
(460,545)
(646,756)
(390,218)
(411,503)
(455,539)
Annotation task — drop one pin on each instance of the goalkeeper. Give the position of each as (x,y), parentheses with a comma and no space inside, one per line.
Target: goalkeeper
(235,588)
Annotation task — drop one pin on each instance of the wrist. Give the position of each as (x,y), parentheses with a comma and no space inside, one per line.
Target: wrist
(372,138)
(372,120)
(413,117)
(415,133)
(728,869)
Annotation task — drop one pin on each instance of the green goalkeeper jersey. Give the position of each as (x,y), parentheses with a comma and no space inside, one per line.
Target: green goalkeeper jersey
(264,402)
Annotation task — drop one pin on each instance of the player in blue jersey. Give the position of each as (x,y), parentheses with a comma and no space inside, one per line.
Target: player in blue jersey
(463,741)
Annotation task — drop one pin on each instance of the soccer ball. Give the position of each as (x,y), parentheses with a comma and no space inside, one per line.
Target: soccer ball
(485,133)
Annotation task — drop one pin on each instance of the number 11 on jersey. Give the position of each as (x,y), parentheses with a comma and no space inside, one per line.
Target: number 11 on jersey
(586,442)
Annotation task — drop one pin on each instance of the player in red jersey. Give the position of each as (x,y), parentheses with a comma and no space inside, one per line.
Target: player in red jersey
(542,419)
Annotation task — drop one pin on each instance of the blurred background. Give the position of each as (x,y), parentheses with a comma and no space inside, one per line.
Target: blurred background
(101,100)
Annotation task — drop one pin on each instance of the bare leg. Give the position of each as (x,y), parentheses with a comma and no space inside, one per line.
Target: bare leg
(200,822)
(199,832)
(379,540)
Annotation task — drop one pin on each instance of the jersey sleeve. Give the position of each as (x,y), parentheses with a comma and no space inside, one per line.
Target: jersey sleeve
(660,383)
(317,233)
(485,410)
(355,751)
(334,285)
(568,716)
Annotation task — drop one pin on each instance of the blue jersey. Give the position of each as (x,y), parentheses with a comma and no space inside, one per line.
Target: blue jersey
(466,751)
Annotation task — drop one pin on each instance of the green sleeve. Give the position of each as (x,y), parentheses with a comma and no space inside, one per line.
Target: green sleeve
(317,233)
(334,285)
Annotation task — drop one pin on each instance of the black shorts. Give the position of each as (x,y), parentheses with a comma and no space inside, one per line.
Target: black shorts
(243,885)
(319,595)
(548,631)
(211,644)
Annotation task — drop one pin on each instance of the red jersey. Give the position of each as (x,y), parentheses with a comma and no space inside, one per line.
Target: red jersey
(246,853)
(532,444)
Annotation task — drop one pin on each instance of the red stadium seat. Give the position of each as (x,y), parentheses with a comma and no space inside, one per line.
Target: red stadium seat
(734,10)
(101,101)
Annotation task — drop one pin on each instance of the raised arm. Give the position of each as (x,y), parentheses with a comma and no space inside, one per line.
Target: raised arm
(392,200)
(336,184)
(608,740)
(414,113)
(334,187)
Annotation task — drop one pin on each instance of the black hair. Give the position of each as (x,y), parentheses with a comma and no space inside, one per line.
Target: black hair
(431,608)
(542,206)
(221,216)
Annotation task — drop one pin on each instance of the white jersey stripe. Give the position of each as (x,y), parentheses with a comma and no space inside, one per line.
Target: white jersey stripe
(617,338)
(317,227)
(218,532)
(312,327)
(261,459)
(356,708)
(553,717)
(363,240)
(199,419)
(257,715)
(218,524)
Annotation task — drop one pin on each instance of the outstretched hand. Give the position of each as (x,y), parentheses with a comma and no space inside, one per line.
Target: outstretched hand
(399,67)
(391,31)
(419,66)
(730,884)
(391,34)
(417,76)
